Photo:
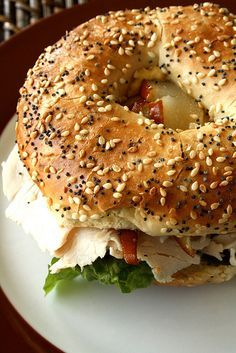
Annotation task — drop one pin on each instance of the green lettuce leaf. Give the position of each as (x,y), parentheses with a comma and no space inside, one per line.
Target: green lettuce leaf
(65,274)
(108,270)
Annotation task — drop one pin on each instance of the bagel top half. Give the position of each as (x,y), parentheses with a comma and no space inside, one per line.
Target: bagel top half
(100,164)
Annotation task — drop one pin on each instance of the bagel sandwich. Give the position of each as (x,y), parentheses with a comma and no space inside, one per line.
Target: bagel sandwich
(124,167)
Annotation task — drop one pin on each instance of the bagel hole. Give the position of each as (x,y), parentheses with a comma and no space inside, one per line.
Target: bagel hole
(166,103)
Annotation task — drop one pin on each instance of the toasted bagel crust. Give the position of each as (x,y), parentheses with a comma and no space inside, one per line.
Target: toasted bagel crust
(102,165)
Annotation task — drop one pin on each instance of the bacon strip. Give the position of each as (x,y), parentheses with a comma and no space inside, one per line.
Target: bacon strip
(152,110)
(129,239)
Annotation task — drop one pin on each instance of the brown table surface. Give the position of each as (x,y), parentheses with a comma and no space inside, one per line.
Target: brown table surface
(16,56)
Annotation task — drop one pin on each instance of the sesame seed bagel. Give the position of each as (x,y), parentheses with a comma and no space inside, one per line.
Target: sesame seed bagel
(102,165)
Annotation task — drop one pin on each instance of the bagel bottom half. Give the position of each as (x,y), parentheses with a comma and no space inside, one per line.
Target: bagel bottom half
(196,275)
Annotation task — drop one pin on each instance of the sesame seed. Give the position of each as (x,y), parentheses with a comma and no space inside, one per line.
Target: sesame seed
(95,216)
(228,168)
(116,168)
(115,118)
(59,116)
(48,118)
(70,116)
(194,186)
(195,171)
(140,167)
(34,134)
(120,187)
(183,188)
(83,218)
(224,183)
(90,57)
(173,221)
(201,155)
(214,184)
(167,183)
(216,138)
(85,120)
(75,216)
(202,188)
(211,72)
(121,51)
(136,199)
(163,192)
(199,136)
(116,140)
(216,53)
(171,162)
(70,156)
(222,82)
(163,201)
(90,184)
(82,99)
(77,200)
(90,165)
(202,203)
(52,170)
(211,58)
(229,209)
(94,87)
(84,132)
(220,159)
(76,127)
(154,37)
(216,88)
(107,186)
(193,215)
(209,161)
(34,161)
(72,180)
(214,205)
(108,108)
(107,71)
(96,189)
(117,195)
(147,161)
(192,154)
(171,172)
(65,133)
(88,191)
(108,146)
(101,140)
(210,151)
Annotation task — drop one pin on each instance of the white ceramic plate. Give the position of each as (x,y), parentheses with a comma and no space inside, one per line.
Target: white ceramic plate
(88,317)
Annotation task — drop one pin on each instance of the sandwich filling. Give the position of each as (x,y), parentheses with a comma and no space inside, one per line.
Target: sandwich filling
(83,246)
